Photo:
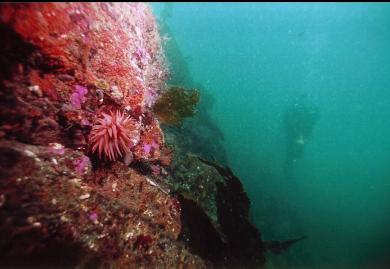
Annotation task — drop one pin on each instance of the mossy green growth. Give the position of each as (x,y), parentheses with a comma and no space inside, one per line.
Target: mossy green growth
(176,104)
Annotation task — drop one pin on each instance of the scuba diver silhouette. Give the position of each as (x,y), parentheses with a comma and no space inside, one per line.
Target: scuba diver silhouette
(299,119)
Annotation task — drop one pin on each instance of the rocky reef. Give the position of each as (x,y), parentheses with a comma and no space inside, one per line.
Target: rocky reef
(78,188)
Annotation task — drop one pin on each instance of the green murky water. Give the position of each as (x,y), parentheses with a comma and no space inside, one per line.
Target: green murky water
(296,99)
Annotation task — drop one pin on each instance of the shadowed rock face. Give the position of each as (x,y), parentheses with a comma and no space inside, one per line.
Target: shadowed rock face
(234,244)
(114,216)
(215,210)
(244,246)
(49,210)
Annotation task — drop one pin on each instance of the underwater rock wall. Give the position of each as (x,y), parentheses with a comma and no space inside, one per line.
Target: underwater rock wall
(215,208)
(62,66)
(117,198)
(53,216)
(67,63)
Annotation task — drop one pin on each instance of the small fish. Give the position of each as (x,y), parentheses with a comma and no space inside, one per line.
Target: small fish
(154,184)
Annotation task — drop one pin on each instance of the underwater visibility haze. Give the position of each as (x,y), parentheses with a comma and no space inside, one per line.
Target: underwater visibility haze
(195,135)
(295,98)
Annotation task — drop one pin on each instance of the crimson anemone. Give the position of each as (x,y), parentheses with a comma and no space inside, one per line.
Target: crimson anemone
(113,134)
